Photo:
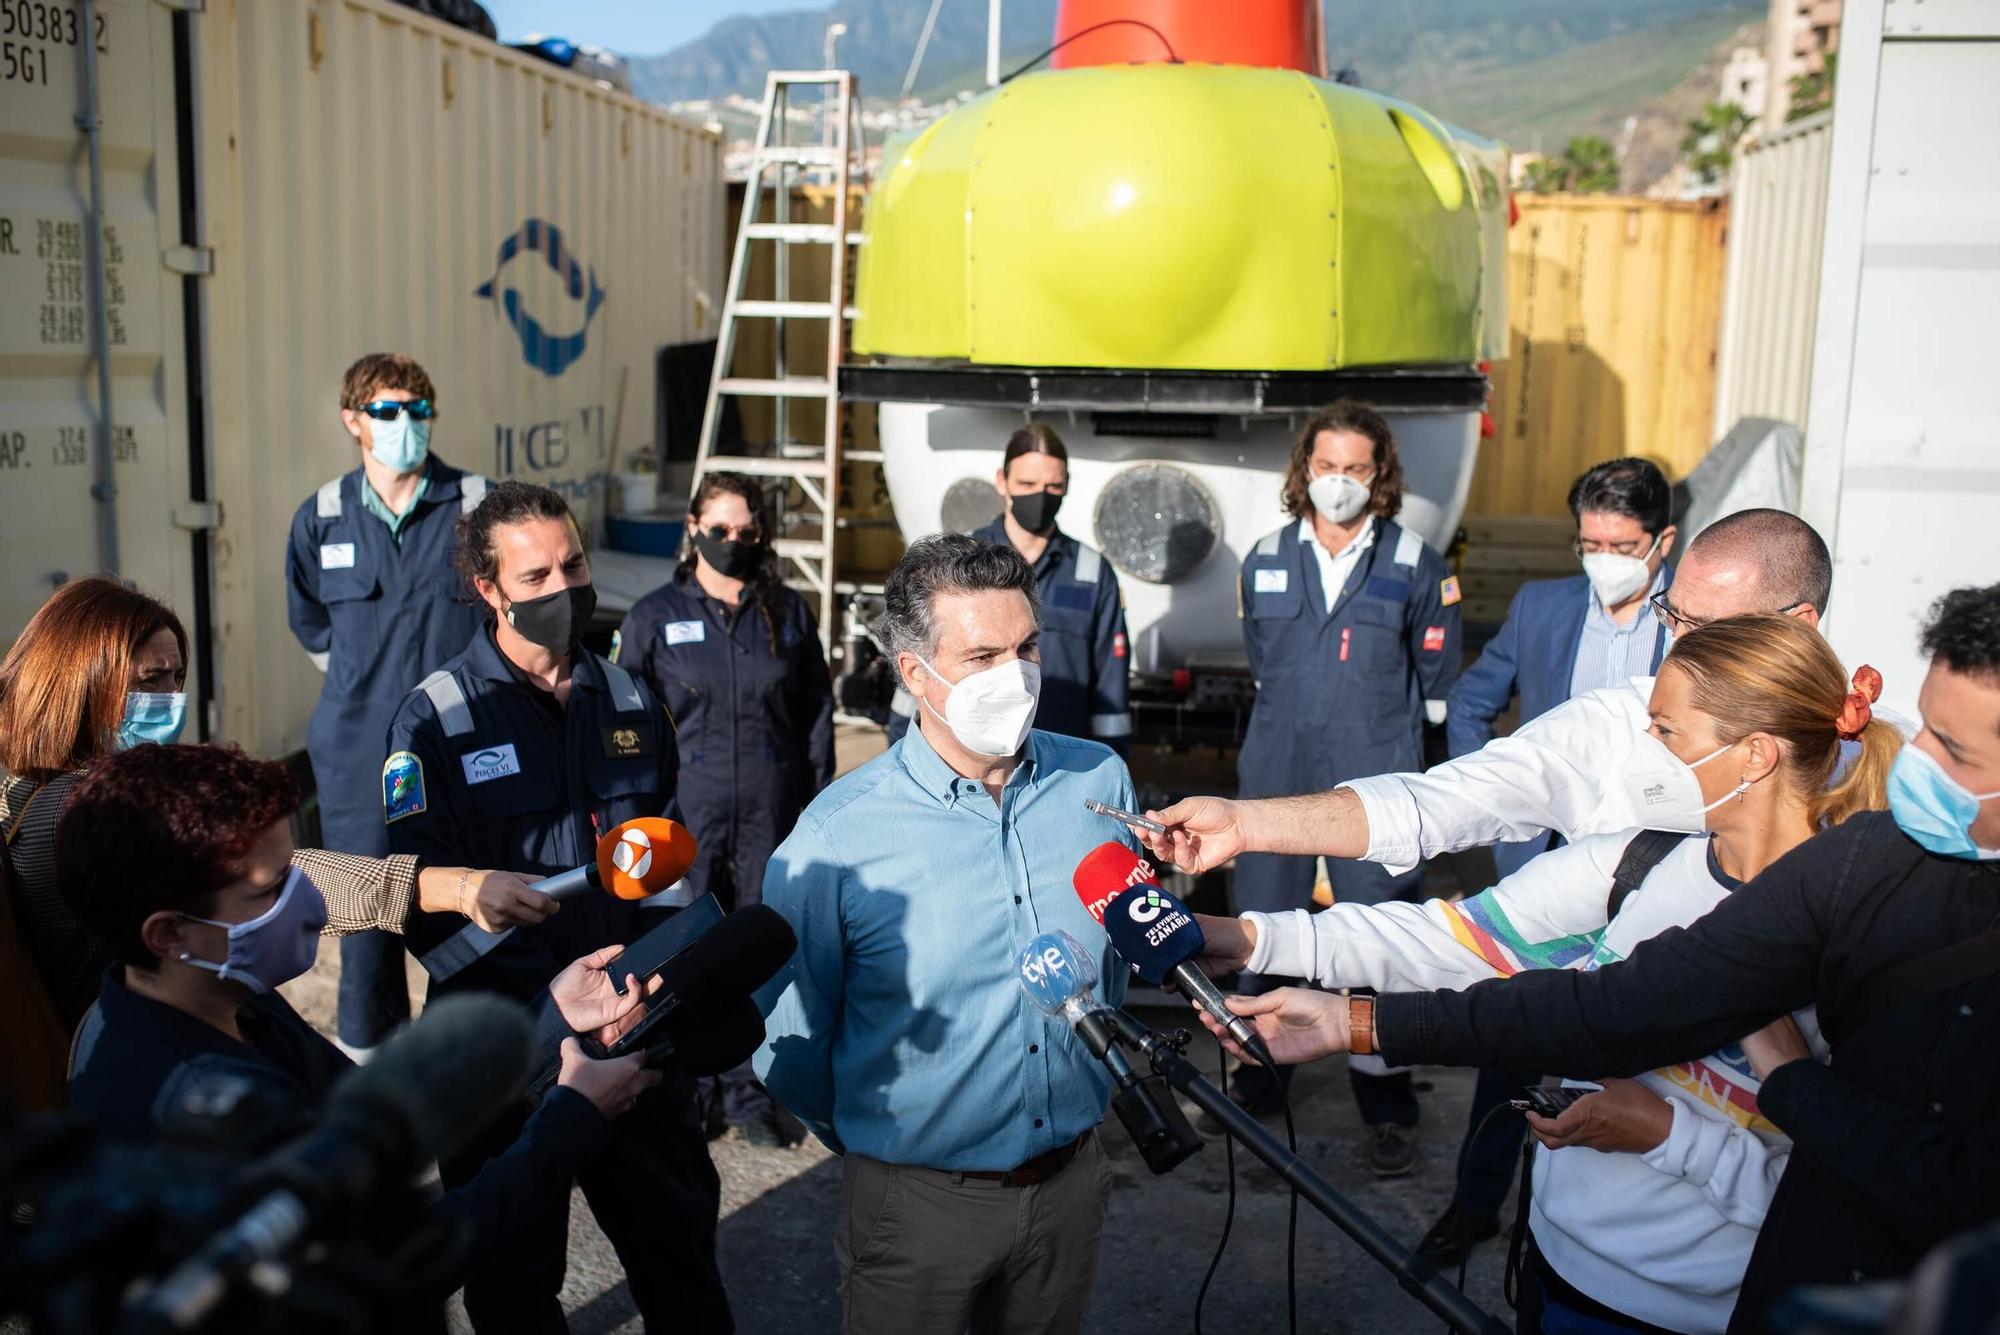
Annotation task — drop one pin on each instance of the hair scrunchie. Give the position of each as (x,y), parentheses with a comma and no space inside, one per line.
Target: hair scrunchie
(1855,711)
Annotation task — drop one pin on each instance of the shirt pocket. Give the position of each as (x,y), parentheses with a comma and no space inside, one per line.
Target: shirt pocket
(634,778)
(1280,598)
(353,609)
(530,792)
(1378,638)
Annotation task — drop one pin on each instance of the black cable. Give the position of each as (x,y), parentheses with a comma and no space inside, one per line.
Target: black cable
(1458,1188)
(1229,1214)
(1173,57)
(1292,1228)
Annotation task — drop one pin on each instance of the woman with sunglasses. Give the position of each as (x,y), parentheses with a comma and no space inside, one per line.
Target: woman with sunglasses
(378,606)
(736,657)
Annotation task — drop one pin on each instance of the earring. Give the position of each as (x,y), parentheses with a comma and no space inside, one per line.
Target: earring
(1742,787)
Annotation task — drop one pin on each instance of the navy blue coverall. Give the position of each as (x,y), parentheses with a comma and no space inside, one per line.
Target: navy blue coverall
(376,611)
(755,732)
(1086,675)
(1340,697)
(487,769)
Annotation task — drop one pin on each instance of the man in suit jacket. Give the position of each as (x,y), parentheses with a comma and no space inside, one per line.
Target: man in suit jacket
(1562,637)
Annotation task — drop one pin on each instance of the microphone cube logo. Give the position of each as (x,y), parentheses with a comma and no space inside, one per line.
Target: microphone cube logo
(1143,908)
(634,854)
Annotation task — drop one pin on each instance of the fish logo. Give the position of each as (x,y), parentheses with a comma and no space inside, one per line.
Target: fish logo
(547,351)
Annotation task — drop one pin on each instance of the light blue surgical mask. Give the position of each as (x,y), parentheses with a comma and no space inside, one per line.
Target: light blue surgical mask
(277,945)
(152,716)
(401,445)
(1935,809)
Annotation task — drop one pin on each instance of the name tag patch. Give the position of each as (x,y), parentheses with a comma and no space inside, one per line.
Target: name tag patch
(1391,590)
(402,787)
(1074,597)
(494,762)
(336,556)
(620,743)
(685,632)
(1270,581)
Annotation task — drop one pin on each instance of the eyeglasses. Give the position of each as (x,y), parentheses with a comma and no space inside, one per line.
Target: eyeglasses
(724,533)
(388,410)
(1592,547)
(1684,624)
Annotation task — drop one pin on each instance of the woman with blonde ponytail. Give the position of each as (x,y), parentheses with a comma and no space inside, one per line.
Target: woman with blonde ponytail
(1648,1198)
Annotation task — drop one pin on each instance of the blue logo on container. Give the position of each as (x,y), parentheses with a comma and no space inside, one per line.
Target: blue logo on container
(548,352)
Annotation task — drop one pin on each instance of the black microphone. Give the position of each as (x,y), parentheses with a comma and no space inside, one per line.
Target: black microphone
(429,1091)
(1154,933)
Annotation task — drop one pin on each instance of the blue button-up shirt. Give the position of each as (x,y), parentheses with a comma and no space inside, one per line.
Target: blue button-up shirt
(1609,654)
(899,1031)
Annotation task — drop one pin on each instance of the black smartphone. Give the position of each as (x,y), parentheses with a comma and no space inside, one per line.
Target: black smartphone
(1546,1101)
(645,956)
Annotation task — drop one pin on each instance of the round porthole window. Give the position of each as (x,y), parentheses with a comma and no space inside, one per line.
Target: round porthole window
(969,503)
(1157,522)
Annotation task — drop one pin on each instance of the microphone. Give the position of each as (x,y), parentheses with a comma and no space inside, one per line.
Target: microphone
(430,1089)
(1154,933)
(634,861)
(1058,974)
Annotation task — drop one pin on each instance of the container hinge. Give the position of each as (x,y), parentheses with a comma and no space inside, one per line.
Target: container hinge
(195,261)
(184,6)
(198,516)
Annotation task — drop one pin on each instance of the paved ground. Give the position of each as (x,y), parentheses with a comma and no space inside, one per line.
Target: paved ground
(779,1206)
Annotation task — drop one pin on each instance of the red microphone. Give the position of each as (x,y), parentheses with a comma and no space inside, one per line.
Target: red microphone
(1106,872)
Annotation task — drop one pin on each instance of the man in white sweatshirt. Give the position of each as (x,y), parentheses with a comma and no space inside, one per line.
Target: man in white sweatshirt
(1565,771)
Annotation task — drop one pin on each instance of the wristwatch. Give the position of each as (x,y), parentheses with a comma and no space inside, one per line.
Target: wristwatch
(1361,1026)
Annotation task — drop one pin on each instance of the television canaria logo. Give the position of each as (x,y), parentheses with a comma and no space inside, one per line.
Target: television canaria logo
(1146,907)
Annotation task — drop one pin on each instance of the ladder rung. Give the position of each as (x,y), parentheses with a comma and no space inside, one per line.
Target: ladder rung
(810,548)
(782,310)
(862,456)
(792,387)
(854,238)
(803,155)
(809,76)
(818,233)
(760,467)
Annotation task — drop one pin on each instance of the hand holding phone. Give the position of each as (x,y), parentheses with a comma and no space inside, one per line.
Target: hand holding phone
(1545,1101)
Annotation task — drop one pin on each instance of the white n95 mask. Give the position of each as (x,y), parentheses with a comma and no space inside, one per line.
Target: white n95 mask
(1663,790)
(1337,496)
(990,712)
(1614,578)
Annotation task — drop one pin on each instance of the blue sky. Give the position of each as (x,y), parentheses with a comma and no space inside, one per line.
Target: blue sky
(633,27)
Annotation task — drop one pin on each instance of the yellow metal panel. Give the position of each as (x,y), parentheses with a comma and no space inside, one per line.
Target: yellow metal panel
(1614,310)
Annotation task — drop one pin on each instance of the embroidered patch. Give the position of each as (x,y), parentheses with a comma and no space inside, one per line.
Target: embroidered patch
(1118,649)
(1389,590)
(1270,581)
(402,787)
(620,743)
(336,556)
(494,762)
(1448,590)
(685,632)
(1433,639)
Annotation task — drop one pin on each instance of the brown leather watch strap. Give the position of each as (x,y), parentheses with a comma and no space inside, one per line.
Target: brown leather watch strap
(1361,1026)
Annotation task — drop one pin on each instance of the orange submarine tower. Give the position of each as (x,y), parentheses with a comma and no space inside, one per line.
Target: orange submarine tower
(1173,245)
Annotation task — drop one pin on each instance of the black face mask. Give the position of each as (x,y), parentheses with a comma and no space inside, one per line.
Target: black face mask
(731,560)
(555,621)
(1036,511)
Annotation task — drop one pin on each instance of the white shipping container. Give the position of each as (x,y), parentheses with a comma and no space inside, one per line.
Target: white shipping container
(367,179)
(1770,298)
(1902,471)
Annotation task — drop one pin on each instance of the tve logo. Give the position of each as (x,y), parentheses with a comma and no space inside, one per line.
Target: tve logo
(552,319)
(1055,967)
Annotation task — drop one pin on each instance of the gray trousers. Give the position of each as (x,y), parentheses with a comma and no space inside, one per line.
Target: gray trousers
(928,1253)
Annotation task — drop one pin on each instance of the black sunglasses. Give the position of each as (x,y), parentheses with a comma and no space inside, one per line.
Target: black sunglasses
(388,410)
(723,533)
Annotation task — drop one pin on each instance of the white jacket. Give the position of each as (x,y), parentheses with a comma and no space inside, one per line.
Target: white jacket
(1662,1236)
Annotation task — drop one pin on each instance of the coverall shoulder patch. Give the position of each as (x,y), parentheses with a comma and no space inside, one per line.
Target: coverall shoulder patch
(1448,590)
(685,632)
(1269,580)
(621,743)
(402,787)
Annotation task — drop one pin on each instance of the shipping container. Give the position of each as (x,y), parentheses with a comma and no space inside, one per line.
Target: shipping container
(1613,305)
(1902,473)
(1777,213)
(286,186)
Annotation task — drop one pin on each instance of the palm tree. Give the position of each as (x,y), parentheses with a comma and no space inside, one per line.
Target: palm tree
(1588,165)
(1812,92)
(1710,143)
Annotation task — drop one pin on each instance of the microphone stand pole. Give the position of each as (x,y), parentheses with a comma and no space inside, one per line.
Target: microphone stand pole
(1417,1277)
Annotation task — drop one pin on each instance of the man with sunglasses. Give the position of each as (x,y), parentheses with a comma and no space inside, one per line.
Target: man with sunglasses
(377,604)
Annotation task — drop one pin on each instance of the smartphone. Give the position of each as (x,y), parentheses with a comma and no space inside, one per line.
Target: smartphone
(1549,1102)
(645,956)
(1137,822)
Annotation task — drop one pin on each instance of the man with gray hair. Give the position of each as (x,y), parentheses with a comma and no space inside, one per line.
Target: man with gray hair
(973,1189)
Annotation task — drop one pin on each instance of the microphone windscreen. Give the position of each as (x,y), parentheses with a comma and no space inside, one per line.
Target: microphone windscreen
(731,959)
(1107,871)
(710,1040)
(463,1061)
(644,856)
(1054,968)
(1152,931)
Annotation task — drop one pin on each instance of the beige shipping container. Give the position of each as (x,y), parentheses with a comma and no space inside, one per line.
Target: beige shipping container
(1613,307)
(1770,301)
(368,179)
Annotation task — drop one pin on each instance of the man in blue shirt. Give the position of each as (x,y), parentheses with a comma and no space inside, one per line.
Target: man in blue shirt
(974,1189)
(1562,638)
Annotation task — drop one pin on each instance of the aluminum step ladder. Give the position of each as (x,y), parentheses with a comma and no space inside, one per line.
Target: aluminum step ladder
(808,508)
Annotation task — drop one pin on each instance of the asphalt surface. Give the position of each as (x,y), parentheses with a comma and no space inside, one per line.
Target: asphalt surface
(779,1206)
